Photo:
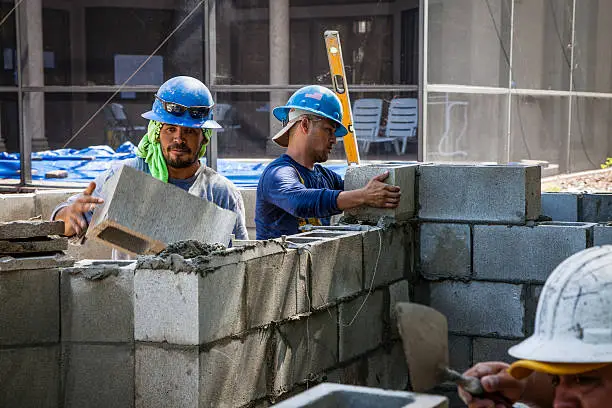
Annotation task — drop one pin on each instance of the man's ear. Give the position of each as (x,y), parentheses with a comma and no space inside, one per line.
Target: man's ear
(304,123)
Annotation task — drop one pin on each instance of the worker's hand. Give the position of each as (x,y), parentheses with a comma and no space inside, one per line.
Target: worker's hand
(73,215)
(378,194)
(495,379)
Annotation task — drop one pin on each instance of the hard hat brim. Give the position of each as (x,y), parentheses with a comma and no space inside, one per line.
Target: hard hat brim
(281,138)
(185,120)
(564,350)
(282,113)
(523,368)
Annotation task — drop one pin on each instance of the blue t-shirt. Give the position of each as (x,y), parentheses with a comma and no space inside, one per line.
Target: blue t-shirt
(288,192)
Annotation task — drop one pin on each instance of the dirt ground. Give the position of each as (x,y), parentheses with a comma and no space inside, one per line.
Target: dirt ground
(596,181)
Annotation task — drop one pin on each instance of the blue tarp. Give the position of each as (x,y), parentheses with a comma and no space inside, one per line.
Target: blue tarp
(84,165)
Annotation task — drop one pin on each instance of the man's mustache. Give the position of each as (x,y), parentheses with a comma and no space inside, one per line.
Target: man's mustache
(179,146)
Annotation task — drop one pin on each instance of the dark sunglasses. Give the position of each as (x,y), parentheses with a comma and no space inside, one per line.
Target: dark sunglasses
(196,112)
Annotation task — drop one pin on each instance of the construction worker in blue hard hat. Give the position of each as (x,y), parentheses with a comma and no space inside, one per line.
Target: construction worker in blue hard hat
(567,362)
(180,126)
(294,190)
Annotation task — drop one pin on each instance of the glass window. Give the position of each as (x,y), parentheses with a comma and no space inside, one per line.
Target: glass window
(466,127)
(469,42)
(592,51)
(590,141)
(8,43)
(542,44)
(539,128)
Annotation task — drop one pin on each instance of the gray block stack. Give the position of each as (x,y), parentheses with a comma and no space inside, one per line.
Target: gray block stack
(30,313)
(142,215)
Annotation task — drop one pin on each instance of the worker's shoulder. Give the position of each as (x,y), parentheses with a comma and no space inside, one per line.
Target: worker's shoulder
(216,181)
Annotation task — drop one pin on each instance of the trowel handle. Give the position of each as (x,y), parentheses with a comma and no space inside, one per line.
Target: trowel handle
(474,387)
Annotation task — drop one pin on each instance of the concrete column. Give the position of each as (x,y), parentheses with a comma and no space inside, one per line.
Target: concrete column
(30,20)
(279,61)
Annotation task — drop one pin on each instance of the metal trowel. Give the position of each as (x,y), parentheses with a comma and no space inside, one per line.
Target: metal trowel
(424,333)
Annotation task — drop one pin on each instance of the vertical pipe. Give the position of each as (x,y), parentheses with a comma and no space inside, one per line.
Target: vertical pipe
(570,102)
(423,60)
(210,69)
(510,76)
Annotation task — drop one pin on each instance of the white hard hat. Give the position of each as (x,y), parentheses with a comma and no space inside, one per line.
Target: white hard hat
(574,315)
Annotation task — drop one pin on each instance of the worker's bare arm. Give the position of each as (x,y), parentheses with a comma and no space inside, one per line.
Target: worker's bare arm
(73,214)
(536,390)
(375,194)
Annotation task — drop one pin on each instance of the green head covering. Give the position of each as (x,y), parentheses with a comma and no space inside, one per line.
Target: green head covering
(150,149)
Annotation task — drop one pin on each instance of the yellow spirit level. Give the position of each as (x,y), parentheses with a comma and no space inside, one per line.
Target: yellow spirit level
(338,76)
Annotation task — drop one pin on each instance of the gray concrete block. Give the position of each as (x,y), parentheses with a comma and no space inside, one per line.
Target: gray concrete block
(249,197)
(445,251)
(328,395)
(305,347)
(98,375)
(45,201)
(387,368)
(532,296)
(29,247)
(134,216)
(361,324)
(480,308)
(29,307)
(398,292)
(487,349)
(387,255)
(98,304)
(459,352)
(561,206)
(29,377)
(401,175)
(272,291)
(166,376)
(336,269)
(519,254)
(596,207)
(9,263)
(17,207)
(182,308)
(602,235)
(473,193)
(91,249)
(235,373)
(30,229)
(354,373)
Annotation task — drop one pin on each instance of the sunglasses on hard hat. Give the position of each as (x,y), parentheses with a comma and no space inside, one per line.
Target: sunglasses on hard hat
(196,112)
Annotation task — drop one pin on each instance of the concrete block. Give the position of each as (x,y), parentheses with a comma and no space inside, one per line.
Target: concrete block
(29,377)
(355,373)
(304,348)
(480,308)
(30,229)
(249,197)
(488,349)
(135,215)
(401,175)
(97,302)
(9,263)
(235,373)
(526,254)
(361,324)
(17,207)
(45,201)
(336,269)
(561,206)
(166,376)
(29,307)
(445,251)
(272,291)
(398,292)
(473,193)
(98,375)
(387,255)
(329,395)
(186,308)
(532,296)
(596,207)
(602,235)
(387,368)
(91,249)
(460,352)
(29,247)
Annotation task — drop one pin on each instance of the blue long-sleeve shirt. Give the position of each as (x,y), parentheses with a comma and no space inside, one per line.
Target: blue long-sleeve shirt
(288,191)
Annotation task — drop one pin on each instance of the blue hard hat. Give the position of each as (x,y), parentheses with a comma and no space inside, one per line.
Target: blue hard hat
(183,101)
(319,101)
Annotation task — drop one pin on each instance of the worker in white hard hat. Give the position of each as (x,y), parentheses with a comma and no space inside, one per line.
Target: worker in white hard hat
(567,363)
